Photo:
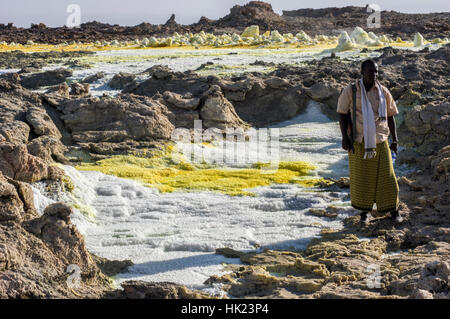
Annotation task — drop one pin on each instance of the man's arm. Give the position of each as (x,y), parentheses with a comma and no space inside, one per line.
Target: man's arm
(393,130)
(343,123)
(391,112)
(343,108)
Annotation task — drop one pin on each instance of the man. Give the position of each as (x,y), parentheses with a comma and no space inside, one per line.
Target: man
(372,176)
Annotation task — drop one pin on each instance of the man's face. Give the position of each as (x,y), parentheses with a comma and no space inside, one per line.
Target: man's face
(370,72)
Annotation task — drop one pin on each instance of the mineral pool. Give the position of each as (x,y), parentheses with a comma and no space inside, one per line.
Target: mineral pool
(172,236)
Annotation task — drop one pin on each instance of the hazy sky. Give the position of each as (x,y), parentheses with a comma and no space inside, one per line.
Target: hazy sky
(131,12)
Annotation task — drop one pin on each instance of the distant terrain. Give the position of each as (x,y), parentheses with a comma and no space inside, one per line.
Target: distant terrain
(327,21)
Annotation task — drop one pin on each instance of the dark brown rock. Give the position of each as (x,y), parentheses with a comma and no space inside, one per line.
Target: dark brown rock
(136,289)
(122,80)
(46,78)
(16,163)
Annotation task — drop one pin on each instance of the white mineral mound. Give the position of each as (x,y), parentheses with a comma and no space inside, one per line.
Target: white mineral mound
(168,41)
(373,36)
(197,39)
(344,42)
(236,38)
(437,40)
(275,36)
(384,38)
(418,40)
(302,36)
(250,32)
(359,36)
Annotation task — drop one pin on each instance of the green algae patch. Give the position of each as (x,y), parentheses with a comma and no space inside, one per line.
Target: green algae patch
(119,236)
(409,98)
(168,171)
(165,234)
(85,210)
(67,183)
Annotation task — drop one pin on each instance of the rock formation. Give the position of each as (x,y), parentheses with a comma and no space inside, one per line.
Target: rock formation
(122,80)
(35,251)
(46,78)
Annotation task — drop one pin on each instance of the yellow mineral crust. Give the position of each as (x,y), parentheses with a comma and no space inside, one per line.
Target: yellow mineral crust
(169,171)
(250,38)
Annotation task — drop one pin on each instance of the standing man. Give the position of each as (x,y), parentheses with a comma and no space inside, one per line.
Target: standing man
(372,176)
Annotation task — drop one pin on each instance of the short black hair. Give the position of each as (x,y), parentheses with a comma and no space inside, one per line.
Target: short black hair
(366,62)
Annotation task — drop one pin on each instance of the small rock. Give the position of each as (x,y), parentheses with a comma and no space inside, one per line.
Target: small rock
(79,89)
(92,78)
(229,253)
(121,80)
(180,102)
(46,78)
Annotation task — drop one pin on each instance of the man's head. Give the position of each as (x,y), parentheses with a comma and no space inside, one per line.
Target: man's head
(369,71)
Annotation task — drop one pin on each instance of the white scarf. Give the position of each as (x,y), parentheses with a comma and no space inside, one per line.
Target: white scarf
(369,119)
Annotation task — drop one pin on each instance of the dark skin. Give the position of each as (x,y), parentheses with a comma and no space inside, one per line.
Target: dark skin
(369,75)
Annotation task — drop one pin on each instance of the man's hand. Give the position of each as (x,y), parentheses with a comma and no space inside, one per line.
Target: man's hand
(346,143)
(393,131)
(393,146)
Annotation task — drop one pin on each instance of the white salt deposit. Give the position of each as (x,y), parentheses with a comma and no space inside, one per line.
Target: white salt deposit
(418,40)
(309,137)
(359,36)
(2,71)
(344,42)
(173,236)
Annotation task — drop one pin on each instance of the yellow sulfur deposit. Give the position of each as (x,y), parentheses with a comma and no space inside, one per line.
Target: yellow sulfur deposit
(344,42)
(251,31)
(168,171)
(250,38)
(418,40)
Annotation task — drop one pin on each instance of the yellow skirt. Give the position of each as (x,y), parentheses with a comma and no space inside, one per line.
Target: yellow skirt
(373,180)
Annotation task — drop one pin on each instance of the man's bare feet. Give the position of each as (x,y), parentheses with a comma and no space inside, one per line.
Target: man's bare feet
(395,215)
(364,218)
